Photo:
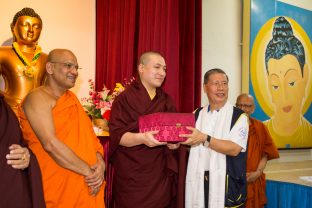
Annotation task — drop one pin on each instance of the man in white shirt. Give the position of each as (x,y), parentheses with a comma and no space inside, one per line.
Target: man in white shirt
(216,173)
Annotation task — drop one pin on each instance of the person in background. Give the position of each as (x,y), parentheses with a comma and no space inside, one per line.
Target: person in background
(22,66)
(216,170)
(61,136)
(146,170)
(260,149)
(20,176)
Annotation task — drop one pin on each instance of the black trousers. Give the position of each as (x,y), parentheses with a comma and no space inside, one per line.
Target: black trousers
(206,188)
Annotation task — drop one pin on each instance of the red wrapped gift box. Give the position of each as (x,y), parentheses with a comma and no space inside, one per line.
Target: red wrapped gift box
(169,125)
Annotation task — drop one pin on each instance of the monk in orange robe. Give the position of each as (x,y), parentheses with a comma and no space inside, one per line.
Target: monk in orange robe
(260,149)
(61,136)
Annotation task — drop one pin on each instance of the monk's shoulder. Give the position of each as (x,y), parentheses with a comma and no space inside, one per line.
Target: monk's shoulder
(166,96)
(258,122)
(40,97)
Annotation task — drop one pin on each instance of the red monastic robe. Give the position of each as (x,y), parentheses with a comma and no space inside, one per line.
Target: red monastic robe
(18,188)
(259,143)
(143,177)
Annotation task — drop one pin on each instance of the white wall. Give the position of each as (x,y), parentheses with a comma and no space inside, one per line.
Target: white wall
(222,36)
(306,4)
(66,24)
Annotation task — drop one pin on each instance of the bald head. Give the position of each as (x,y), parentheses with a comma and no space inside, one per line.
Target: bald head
(59,54)
(152,70)
(246,103)
(145,57)
(62,69)
(245,96)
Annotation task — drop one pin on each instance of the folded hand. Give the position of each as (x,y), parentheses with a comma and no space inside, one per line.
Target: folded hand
(18,157)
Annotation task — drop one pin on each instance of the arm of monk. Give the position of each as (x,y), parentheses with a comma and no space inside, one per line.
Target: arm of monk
(222,146)
(254,175)
(38,107)
(130,139)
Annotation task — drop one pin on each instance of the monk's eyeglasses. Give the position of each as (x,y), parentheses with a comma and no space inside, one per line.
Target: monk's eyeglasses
(68,66)
(243,105)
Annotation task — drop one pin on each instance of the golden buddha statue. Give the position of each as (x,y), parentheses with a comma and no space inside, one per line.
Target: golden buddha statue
(22,66)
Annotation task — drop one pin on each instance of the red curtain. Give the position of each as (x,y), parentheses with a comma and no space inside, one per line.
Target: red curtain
(125,29)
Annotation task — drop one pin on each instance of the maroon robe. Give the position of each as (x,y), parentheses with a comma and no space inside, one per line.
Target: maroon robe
(143,176)
(18,188)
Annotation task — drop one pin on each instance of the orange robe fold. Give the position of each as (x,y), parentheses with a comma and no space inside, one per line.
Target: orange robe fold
(259,143)
(63,187)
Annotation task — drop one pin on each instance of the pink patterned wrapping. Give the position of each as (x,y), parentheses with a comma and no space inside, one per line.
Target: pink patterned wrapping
(170,125)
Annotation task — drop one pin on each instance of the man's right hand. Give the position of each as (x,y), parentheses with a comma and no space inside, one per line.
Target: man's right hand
(195,138)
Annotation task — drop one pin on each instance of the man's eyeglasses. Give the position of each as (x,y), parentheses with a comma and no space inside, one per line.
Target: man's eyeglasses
(219,84)
(68,66)
(243,105)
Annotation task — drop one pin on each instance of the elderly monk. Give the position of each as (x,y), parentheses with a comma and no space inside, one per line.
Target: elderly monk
(145,169)
(20,176)
(22,66)
(260,149)
(60,134)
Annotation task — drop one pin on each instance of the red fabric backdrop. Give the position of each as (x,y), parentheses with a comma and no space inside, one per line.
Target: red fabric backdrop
(125,29)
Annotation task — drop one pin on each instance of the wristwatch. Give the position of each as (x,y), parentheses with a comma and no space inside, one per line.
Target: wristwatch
(206,143)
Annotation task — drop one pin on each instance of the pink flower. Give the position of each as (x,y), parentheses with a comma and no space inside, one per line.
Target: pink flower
(98,104)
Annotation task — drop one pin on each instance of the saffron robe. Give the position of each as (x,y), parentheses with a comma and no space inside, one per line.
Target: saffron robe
(63,187)
(259,143)
(144,176)
(18,188)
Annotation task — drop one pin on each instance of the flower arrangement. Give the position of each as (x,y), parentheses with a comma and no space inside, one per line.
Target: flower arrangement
(98,104)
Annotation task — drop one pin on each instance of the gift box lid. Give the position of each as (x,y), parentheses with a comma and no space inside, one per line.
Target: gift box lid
(167,119)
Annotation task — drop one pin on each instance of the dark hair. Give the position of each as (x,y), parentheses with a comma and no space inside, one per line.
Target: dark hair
(214,71)
(283,43)
(25,12)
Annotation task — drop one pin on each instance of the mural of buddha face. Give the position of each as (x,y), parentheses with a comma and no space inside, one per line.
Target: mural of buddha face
(287,86)
(287,80)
